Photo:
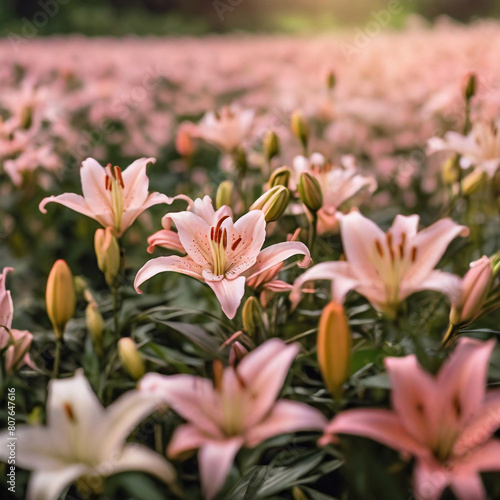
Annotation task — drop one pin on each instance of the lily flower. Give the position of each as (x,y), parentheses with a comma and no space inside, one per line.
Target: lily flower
(480,148)
(226,129)
(446,422)
(84,440)
(16,343)
(222,253)
(112,197)
(238,409)
(386,268)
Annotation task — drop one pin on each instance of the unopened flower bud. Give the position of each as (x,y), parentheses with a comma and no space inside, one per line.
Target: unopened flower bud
(224,194)
(450,171)
(107,251)
(334,347)
(298,494)
(60,296)
(271,145)
(331,80)
(184,142)
(130,358)
(253,317)
(475,288)
(95,325)
(299,128)
(310,192)
(473,181)
(280,177)
(273,203)
(237,353)
(470,86)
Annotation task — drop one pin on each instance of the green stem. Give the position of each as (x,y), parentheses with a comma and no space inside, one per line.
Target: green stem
(313,223)
(57,358)
(114,293)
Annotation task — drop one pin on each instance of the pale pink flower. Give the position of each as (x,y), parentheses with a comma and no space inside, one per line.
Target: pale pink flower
(239,409)
(221,253)
(480,148)
(226,129)
(386,268)
(446,422)
(112,198)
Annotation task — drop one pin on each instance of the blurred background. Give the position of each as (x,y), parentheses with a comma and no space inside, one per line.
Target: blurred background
(198,17)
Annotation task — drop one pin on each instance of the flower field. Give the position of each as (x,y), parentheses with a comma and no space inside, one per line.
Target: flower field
(251,267)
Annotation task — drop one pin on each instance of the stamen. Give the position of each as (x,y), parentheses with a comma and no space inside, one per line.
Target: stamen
(107,183)
(218,369)
(118,176)
(236,243)
(379,248)
(414,254)
(224,239)
(212,230)
(68,409)
(219,224)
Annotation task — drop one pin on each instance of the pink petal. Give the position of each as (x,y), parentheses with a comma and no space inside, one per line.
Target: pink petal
(229,293)
(94,190)
(468,486)
(275,254)
(194,398)
(6,305)
(165,239)
(485,458)
(407,225)
(286,416)
(439,281)
(186,438)
(131,213)
(264,371)
(204,208)
(380,425)
(183,265)
(194,236)
(70,200)
(215,460)
(251,228)
(429,480)
(136,183)
(462,378)
(431,243)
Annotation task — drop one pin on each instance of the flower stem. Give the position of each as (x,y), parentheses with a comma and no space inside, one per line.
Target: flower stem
(57,358)
(313,223)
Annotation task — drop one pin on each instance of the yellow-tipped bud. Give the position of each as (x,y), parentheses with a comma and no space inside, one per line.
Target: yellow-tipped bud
(473,182)
(334,347)
(271,145)
(273,203)
(60,297)
(107,252)
(450,171)
(310,192)
(224,194)
(253,317)
(280,177)
(470,86)
(95,325)
(130,358)
(299,128)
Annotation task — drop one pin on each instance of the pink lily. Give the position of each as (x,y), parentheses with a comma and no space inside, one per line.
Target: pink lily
(386,268)
(112,198)
(221,253)
(16,343)
(239,409)
(446,422)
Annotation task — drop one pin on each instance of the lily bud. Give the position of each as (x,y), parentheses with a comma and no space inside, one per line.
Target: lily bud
(253,317)
(331,80)
(450,171)
(476,286)
(224,194)
(271,145)
(130,358)
(184,141)
(334,347)
(60,296)
(470,86)
(473,181)
(280,177)
(273,203)
(237,353)
(95,325)
(298,494)
(107,251)
(310,192)
(299,128)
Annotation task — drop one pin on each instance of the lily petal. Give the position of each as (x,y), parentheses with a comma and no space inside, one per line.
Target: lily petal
(446,283)
(165,238)
(229,293)
(6,304)
(186,438)
(136,183)
(429,480)
(70,200)
(93,177)
(286,416)
(183,265)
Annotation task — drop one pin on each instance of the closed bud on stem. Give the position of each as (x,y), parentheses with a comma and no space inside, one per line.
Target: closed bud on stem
(470,86)
(95,325)
(334,347)
(237,353)
(331,80)
(473,182)
(107,251)
(280,177)
(271,145)
(60,297)
(310,192)
(450,171)
(184,142)
(476,285)
(253,317)
(298,494)
(300,129)
(130,358)
(273,203)
(224,194)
